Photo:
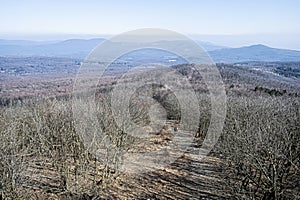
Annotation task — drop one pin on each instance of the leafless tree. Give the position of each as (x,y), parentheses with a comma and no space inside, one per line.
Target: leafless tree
(262,143)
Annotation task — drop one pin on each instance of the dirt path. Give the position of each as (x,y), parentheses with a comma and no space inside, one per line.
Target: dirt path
(187,178)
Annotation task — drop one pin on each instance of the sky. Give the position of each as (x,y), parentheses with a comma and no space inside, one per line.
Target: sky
(226,22)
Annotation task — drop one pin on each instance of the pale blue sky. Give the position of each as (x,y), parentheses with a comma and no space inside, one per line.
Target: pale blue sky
(262,18)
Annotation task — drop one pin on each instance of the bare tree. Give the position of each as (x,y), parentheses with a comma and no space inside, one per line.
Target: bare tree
(262,143)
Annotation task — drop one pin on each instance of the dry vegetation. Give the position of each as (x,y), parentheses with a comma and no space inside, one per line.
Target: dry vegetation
(261,142)
(257,157)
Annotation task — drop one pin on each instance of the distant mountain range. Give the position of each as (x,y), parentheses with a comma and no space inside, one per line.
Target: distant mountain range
(79,48)
(75,48)
(254,53)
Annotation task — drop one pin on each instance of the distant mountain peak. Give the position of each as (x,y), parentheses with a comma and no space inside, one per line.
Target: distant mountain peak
(257,52)
(258,46)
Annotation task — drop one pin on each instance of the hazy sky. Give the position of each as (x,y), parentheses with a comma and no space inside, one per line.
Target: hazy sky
(272,21)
